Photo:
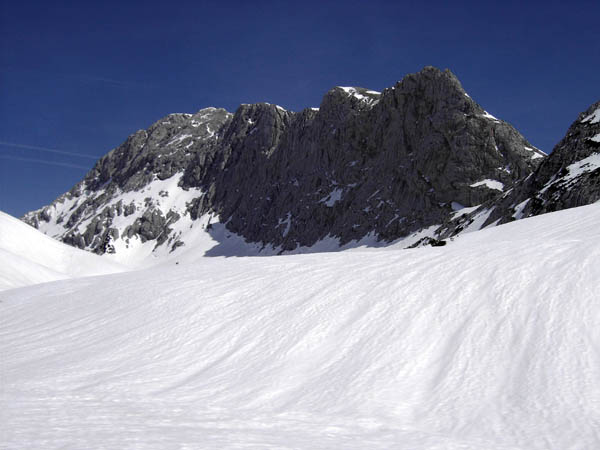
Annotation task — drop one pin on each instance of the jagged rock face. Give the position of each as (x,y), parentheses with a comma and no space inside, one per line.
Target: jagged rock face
(161,151)
(570,176)
(365,163)
(567,178)
(111,202)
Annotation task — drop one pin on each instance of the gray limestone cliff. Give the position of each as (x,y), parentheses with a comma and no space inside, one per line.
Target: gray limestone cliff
(364,164)
(567,178)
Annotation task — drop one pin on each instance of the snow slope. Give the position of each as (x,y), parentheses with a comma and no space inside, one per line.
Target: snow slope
(491,342)
(28,256)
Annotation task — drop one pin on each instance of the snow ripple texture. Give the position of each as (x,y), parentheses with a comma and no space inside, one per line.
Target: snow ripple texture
(490,342)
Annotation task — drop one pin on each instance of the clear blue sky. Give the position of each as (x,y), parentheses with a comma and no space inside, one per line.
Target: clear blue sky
(80,76)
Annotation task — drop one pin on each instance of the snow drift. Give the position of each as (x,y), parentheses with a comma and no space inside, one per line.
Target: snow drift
(489,342)
(28,256)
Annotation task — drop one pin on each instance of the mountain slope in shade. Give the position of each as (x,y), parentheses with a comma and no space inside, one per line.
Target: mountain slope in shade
(364,166)
(567,178)
(29,257)
(490,342)
(570,177)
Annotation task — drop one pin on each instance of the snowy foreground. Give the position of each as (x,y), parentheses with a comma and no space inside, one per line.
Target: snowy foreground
(491,342)
(30,257)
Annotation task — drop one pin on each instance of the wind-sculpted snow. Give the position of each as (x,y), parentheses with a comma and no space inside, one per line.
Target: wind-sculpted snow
(490,342)
(27,257)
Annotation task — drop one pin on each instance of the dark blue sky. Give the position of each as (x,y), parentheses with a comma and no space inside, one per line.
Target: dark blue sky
(79,77)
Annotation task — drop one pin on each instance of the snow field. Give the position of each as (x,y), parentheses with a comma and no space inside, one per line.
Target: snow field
(29,257)
(489,342)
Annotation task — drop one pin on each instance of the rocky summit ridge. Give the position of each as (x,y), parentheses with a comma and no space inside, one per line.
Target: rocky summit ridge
(365,166)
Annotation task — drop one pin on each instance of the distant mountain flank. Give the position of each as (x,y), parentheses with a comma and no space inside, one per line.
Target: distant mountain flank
(567,178)
(365,167)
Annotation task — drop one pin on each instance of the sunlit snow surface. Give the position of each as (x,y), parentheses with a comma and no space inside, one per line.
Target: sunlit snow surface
(593,118)
(487,115)
(491,184)
(29,257)
(575,171)
(491,342)
(535,152)
(354,92)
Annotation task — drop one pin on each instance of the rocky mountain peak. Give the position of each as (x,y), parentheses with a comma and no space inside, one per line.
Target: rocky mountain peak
(341,101)
(366,165)
(431,83)
(165,148)
(259,125)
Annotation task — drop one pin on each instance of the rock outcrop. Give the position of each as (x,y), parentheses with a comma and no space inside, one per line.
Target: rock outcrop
(567,178)
(364,164)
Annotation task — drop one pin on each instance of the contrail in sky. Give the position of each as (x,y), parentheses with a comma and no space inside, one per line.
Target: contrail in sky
(43,161)
(48,150)
(82,78)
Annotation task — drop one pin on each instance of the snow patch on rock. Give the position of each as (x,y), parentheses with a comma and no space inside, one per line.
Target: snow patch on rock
(333,197)
(491,184)
(593,118)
